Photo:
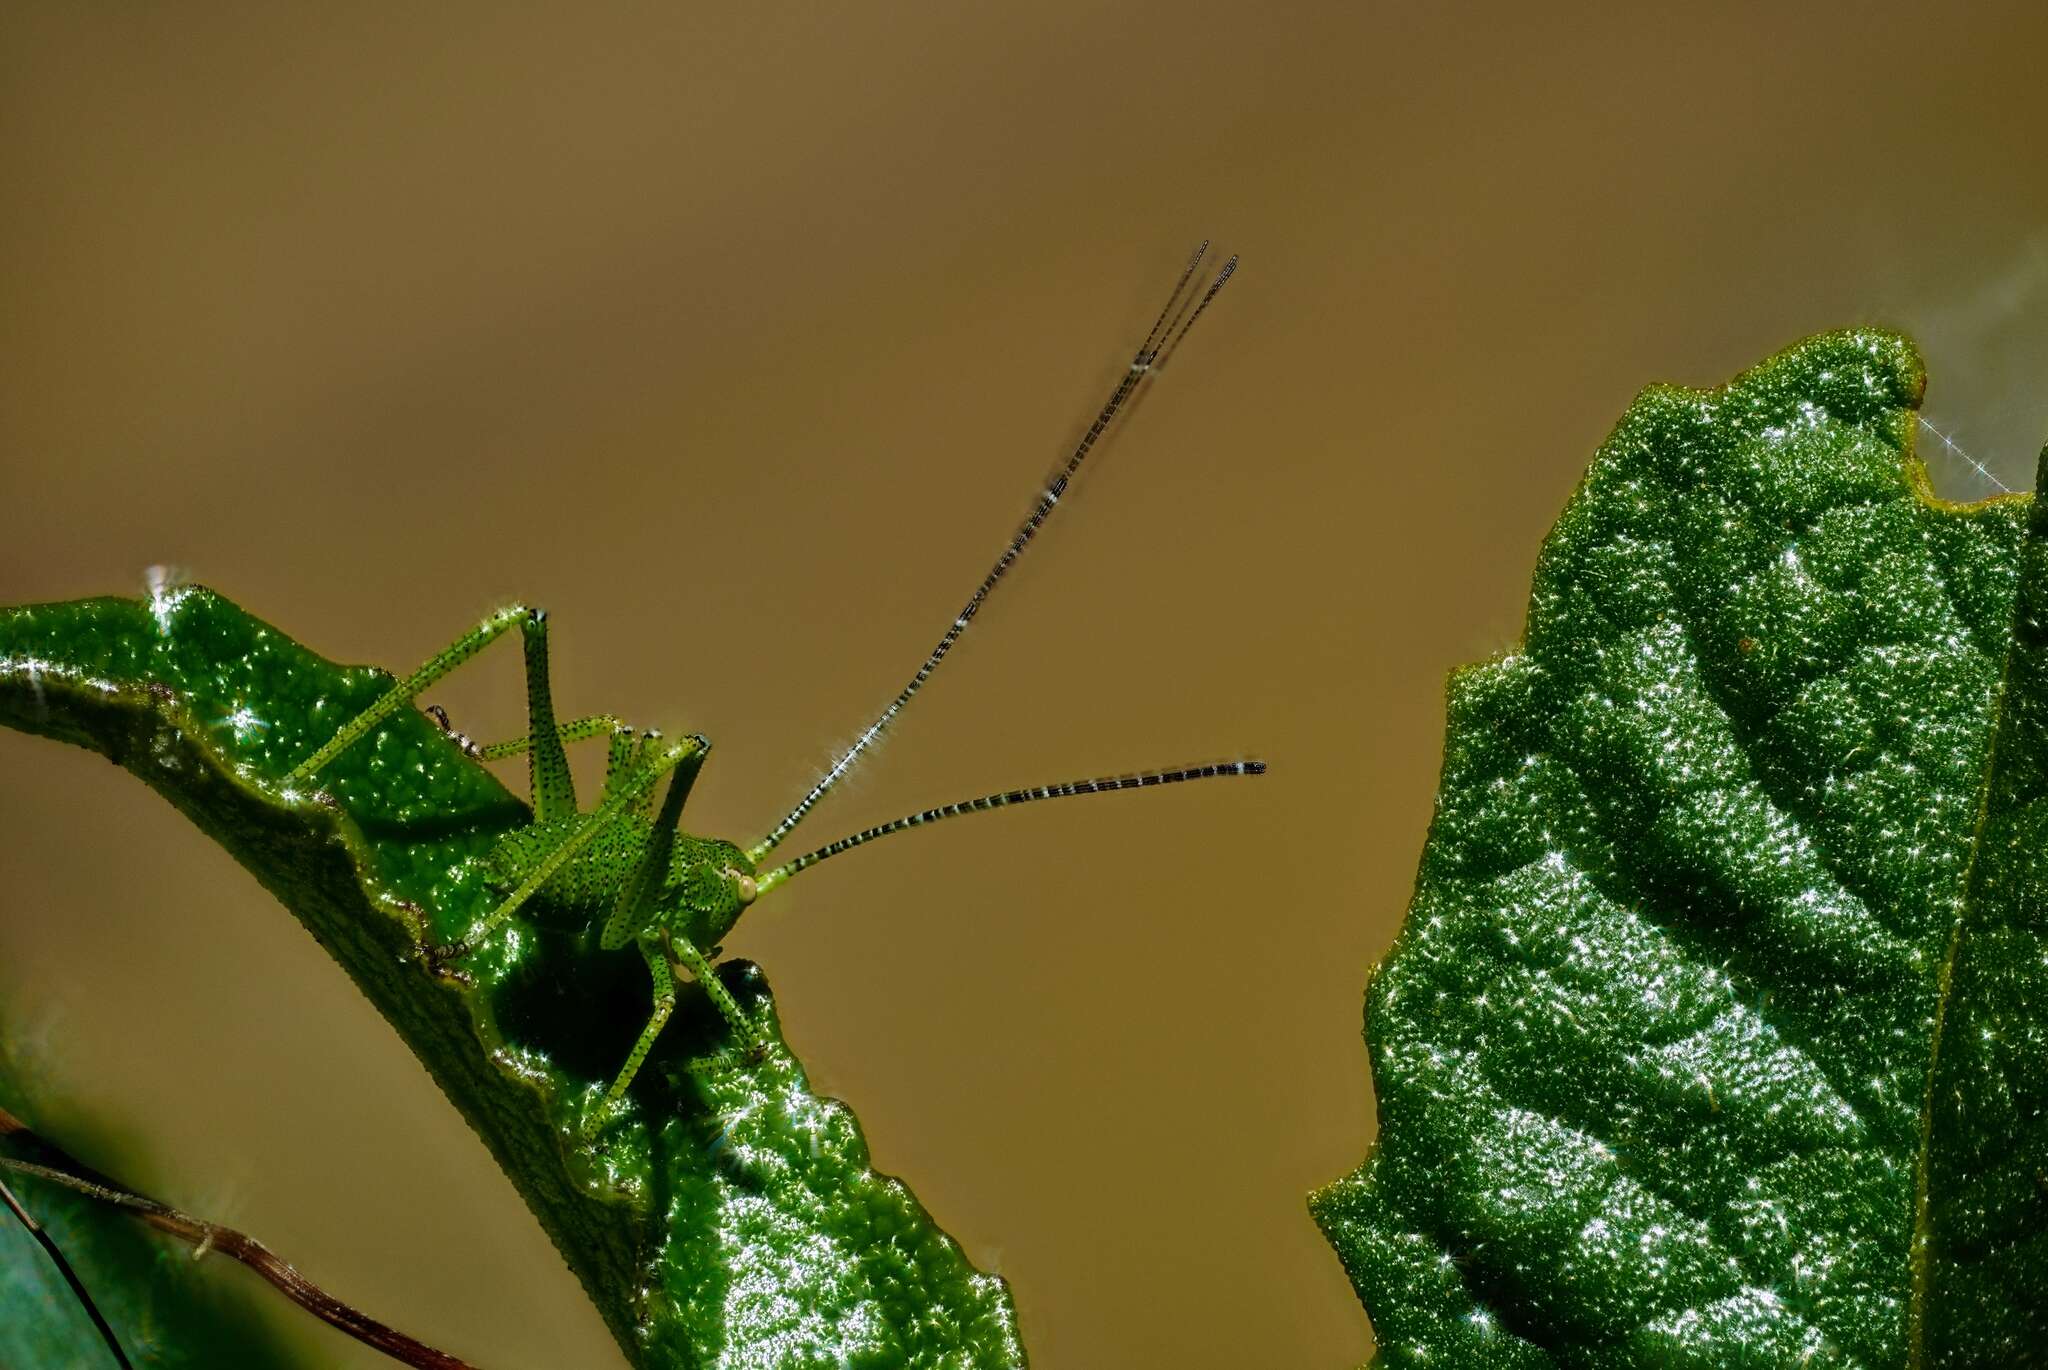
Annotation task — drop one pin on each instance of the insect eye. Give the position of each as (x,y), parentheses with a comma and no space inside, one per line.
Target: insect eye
(744,886)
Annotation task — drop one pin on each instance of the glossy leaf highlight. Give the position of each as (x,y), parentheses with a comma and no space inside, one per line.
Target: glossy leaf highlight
(1714,1036)
(733,1219)
(168,1311)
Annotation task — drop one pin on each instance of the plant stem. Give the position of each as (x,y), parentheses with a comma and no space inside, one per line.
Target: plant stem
(56,1254)
(63,1169)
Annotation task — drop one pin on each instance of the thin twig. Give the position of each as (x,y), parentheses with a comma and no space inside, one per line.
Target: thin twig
(56,1255)
(205,1237)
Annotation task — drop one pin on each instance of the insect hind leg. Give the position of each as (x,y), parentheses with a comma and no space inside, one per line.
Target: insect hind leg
(547,764)
(552,788)
(608,726)
(620,799)
(405,691)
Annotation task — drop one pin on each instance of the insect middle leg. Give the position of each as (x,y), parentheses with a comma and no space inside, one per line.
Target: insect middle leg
(626,749)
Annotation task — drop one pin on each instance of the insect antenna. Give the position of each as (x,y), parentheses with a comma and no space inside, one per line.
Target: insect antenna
(1215,287)
(1107,784)
(1168,329)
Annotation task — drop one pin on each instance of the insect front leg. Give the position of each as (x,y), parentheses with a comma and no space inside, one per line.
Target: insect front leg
(657,950)
(699,966)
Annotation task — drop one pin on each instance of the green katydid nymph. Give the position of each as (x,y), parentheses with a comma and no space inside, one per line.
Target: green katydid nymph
(623,865)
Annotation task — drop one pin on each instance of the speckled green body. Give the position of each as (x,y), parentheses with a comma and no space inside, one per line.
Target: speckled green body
(692,901)
(1717,1034)
(732,1218)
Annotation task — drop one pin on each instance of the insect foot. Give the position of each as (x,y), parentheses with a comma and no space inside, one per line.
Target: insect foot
(596,1115)
(427,953)
(439,959)
(461,739)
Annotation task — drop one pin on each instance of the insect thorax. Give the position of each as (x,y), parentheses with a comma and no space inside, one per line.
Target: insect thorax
(696,898)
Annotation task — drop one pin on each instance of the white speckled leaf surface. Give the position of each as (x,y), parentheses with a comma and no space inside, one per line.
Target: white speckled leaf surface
(1712,1009)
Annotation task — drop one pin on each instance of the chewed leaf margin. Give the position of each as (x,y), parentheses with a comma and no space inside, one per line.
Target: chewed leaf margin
(1795,475)
(732,1219)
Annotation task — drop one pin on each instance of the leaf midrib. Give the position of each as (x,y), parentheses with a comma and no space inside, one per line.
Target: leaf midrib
(1918,1252)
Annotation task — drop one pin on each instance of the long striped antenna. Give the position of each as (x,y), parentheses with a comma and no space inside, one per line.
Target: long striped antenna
(1107,784)
(1168,329)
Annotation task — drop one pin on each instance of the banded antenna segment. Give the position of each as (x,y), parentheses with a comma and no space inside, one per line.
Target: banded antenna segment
(1172,325)
(1107,784)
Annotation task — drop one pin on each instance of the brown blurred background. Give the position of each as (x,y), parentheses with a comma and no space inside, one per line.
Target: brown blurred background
(740,338)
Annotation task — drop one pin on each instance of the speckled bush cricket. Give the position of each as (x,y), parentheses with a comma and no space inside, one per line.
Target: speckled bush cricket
(673,896)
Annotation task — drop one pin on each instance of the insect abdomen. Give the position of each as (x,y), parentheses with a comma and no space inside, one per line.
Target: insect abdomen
(587,883)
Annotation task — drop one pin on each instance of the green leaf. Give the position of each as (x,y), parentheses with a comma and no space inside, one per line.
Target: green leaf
(734,1218)
(168,1310)
(1715,1035)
